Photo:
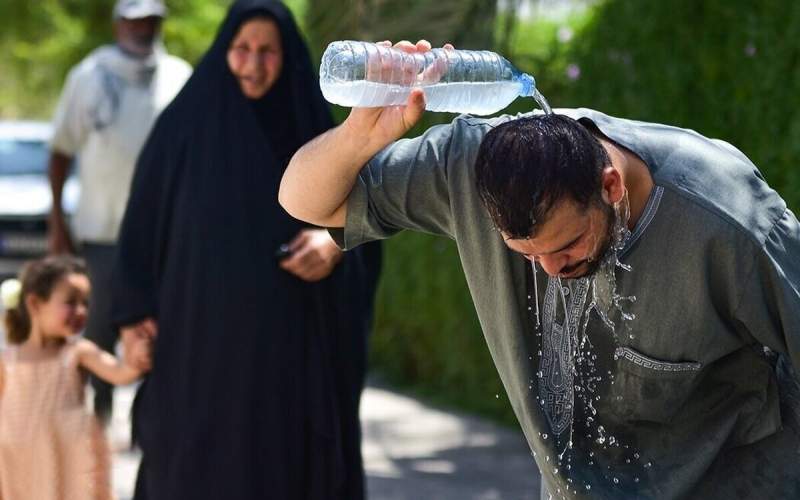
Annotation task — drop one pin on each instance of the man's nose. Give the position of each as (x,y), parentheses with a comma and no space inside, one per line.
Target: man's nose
(552,264)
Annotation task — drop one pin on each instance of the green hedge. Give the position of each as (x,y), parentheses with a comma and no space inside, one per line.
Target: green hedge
(727,68)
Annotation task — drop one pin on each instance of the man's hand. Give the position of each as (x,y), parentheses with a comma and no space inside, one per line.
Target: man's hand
(137,342)
(314,255)
(383,126)
(58,238)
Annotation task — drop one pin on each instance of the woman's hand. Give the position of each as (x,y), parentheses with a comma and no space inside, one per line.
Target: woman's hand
(314,255)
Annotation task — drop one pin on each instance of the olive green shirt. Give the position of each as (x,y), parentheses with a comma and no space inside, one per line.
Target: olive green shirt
(683,401)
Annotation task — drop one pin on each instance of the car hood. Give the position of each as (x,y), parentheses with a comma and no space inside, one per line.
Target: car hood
(29,195)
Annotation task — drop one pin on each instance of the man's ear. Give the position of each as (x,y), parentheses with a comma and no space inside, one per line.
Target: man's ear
(612,187)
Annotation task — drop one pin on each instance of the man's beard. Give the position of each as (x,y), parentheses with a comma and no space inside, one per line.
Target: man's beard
(592,263)
(139,45)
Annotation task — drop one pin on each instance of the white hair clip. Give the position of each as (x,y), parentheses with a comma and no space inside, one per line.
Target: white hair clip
(9,293)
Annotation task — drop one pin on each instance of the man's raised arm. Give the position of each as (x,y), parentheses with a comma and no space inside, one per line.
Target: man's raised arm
(320,176)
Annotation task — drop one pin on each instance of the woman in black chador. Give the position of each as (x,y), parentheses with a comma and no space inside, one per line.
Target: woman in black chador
(259,357)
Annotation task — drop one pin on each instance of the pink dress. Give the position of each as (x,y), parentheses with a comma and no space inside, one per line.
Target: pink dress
(51,448)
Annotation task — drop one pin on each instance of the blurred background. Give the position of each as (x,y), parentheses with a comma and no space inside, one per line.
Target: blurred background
(729,69)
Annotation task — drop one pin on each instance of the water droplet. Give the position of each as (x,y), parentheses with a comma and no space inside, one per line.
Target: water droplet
(555,470)
(648,465)
(588,487)
(636,480)
(636,455)
(544,436)
(616,481)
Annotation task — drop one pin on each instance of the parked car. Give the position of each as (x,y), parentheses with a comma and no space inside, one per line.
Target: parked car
(25,196)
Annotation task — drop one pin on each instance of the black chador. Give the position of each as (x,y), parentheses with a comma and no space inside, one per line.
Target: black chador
(257,374)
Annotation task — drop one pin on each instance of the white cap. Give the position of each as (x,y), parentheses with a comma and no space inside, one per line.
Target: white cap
(139,9)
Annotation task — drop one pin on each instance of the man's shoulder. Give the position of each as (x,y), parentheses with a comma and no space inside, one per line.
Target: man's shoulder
(173,63)
(89,65)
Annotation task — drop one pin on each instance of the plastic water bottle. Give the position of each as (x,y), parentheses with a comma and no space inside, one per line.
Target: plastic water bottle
(363,74)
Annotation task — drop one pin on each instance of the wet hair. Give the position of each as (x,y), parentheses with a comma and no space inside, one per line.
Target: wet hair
(525,166)
(38,277)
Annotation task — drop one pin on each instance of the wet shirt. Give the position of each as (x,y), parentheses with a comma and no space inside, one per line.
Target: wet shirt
(687,396)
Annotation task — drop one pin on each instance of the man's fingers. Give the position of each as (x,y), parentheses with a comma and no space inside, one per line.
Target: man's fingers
(415,108)
(406,46)
(423,46)
(448,46)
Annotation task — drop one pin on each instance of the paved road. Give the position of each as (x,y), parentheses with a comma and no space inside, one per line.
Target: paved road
(411,452)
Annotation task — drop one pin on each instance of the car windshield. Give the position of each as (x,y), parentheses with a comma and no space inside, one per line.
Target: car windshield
(19,157)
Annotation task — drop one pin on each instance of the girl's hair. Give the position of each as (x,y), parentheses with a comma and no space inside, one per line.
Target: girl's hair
(38,277)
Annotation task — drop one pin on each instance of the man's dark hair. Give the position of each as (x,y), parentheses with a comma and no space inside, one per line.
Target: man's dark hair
(526,166)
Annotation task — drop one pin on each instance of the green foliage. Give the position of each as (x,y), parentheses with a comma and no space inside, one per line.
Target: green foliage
(427,337)
(729,69)
(41,40)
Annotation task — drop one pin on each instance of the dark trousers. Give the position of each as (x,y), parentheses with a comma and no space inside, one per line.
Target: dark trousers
(100,261)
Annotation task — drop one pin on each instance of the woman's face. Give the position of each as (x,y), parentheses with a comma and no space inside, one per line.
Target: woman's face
(255,57)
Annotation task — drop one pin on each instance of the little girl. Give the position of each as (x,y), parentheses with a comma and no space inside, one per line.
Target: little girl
(50,446)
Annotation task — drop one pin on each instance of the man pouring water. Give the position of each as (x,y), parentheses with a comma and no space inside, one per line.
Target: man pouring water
(638,285)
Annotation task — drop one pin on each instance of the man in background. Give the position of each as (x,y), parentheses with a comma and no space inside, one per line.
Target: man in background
(109,103)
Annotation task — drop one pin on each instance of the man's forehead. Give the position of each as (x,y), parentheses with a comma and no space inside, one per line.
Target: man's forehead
(561,225)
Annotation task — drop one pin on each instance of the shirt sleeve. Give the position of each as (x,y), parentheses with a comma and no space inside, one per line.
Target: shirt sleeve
(70,121)
(770,304)
(405,186)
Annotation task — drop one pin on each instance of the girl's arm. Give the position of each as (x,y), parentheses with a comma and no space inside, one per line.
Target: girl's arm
(105,365)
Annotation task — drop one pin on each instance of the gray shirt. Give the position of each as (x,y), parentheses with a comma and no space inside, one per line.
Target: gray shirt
(683,400)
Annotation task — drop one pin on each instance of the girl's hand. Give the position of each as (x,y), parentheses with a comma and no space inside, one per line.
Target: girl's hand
(133,354)
(139,355)
(314,255)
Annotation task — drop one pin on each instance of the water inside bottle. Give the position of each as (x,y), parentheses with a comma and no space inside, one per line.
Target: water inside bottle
(478,98)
